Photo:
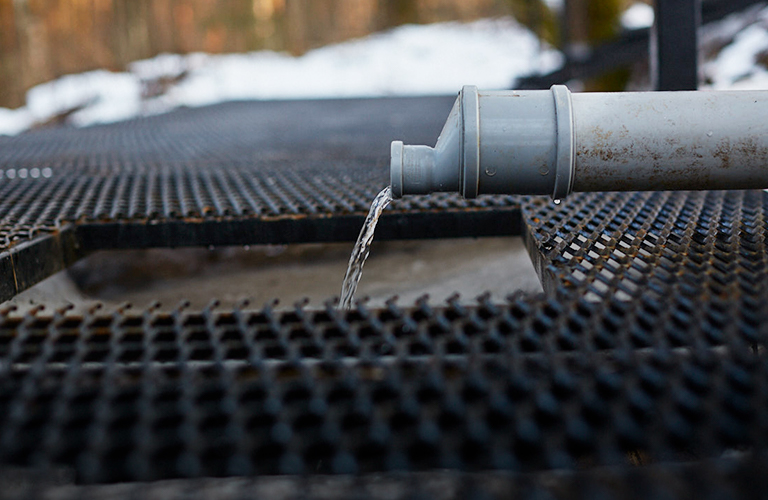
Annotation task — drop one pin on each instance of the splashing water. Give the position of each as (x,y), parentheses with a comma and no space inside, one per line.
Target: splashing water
(363,248)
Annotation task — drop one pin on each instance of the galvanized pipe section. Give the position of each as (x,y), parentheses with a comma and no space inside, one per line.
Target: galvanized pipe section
(554,142)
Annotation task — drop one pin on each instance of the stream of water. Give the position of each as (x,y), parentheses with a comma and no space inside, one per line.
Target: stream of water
(363,248)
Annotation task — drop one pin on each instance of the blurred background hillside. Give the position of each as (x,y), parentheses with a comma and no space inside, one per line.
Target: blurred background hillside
(41,40)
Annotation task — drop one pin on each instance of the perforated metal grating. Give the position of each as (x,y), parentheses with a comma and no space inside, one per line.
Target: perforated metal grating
(647,348)
(663,258)
(233,174)
(181,404)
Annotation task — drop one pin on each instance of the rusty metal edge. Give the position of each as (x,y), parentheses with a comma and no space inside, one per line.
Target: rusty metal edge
(299,229)
(30,262)
(549,282)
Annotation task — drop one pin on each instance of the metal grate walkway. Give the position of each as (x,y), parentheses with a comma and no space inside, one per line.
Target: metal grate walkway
(642,364)
(233,174)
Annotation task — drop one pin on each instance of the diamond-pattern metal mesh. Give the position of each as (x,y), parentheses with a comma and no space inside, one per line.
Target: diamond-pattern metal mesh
(665,260)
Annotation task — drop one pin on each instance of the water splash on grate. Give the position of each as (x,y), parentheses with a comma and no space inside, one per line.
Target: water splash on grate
(363,248)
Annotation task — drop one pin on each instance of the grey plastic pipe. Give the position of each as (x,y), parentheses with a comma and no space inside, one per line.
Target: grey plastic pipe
(554,142)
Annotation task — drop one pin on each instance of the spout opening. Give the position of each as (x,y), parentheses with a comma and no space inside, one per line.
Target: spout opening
(396,169)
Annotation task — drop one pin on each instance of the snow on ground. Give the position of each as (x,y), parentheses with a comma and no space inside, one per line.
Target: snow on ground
(409,60)
(430,59)
(15,121)
(742,64)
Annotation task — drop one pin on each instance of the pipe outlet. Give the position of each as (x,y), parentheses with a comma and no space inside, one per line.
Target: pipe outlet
(553,142)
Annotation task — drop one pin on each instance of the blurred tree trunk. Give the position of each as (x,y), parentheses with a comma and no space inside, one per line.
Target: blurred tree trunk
(603,18)
(589,23)
(576,27)
(41,40)
(10,56)
(397,12)
(32,58)
(536,16)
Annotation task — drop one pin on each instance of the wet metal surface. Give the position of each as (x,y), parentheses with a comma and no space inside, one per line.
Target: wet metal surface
(233,174)
(647,347)
(733,478)
(146,395)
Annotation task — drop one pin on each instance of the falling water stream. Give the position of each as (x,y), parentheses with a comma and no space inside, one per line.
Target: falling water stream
(363,248)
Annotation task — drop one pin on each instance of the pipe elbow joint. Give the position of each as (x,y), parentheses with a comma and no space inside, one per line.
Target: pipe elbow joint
(494,143)
(421,170)
(411,169)
(425,170)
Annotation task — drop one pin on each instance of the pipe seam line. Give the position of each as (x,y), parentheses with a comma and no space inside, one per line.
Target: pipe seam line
(470,112)
(565,158)
(396,180)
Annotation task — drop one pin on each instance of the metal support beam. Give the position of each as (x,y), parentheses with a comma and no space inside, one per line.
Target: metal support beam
(674,48)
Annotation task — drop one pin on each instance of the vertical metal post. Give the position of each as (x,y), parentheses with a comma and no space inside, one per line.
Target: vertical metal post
(576,28)
(674,45)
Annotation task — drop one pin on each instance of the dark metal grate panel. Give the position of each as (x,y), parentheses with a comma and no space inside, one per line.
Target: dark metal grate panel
(233,174)
(648,346)
(686,258)
(126,397)
(733,478)
(524,326)
(191,192)
(234,161)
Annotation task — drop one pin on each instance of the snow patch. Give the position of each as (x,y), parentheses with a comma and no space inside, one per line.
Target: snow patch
(736,66)
(100,96)
(639,15)
(15,121)
(409,60)
(415,60)
(555,5)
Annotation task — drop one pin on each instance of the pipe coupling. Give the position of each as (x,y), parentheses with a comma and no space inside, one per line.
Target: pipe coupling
(494,143)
